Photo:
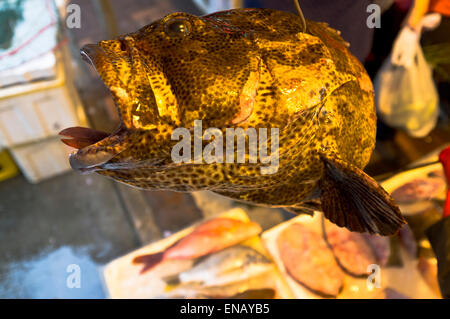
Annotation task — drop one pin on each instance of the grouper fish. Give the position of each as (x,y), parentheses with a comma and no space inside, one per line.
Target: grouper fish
(242,68)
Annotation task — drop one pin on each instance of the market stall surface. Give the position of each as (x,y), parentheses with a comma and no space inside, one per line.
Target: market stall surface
(45,228)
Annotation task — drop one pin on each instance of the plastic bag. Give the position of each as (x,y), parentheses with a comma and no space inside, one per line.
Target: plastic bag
(406,98)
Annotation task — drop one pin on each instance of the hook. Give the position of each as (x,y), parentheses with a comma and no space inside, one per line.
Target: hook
(300,13)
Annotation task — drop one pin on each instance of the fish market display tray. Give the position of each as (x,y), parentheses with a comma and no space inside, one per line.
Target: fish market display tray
(123,279)
(395,282)
(419,189)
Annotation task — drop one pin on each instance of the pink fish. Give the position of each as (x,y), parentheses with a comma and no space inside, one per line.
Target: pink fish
(208,237)
(351,250)
(308,260)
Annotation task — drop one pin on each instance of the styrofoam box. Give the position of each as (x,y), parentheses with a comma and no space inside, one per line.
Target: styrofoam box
(42,160)
(39,68)
(36,115)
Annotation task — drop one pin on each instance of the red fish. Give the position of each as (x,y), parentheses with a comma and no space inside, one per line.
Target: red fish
(209,237)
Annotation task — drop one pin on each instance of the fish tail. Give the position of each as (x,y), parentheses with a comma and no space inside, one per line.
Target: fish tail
(149,261)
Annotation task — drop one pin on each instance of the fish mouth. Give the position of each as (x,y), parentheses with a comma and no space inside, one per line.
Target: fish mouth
(95,148)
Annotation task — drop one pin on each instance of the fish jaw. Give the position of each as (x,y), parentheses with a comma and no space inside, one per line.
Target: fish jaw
(118,65)
(122,71)
(101,60)
(95,148)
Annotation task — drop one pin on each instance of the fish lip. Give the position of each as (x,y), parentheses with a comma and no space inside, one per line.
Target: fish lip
(77,165)
(89,52)
(96,56)
(87,163)
(93,157)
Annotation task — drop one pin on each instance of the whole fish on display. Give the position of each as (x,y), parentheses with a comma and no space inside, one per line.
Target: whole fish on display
(208,237)
(230,265)
(352,251)
(308,259)
(242,68)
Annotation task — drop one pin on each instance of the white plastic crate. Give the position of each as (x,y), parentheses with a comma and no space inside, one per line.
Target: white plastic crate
(36,115)
(40,68)
(34,111)
(42,160)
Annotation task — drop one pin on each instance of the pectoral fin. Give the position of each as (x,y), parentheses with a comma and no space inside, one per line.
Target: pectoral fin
(300,210)
(307,207)
(352,199)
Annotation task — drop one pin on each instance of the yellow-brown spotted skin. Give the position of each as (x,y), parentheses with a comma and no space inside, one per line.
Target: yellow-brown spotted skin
(238,68)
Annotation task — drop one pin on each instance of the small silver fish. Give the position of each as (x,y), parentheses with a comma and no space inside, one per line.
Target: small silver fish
(230,265)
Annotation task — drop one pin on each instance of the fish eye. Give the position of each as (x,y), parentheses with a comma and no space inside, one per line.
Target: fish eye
(177,27)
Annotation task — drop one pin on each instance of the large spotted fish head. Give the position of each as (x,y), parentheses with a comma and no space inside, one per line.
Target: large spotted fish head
(176,70)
